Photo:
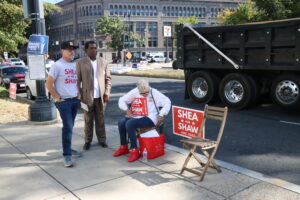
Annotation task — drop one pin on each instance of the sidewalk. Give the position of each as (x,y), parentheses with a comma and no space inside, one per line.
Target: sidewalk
(31,168)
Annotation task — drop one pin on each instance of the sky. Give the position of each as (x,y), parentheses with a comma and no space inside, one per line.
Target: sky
(52,1)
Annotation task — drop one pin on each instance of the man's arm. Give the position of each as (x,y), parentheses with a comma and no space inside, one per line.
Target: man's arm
(49,85)
(79,80)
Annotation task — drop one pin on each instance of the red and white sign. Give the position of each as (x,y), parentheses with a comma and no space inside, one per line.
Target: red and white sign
(187,122)
(13,90)
(139,107)
(167,31)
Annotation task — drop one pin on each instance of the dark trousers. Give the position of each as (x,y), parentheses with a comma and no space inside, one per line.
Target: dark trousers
(67,110)
(129,125)
(95,114)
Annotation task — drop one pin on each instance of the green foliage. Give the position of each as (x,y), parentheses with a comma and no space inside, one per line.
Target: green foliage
(49,9)
(244,13)
(261,10)
(4,92)
(116,29)
(12,25)
(189,20)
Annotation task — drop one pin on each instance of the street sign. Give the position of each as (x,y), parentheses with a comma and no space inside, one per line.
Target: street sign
(167,31)
(13,90)
(36,65)
(128,55)
(38,44)
(187,122)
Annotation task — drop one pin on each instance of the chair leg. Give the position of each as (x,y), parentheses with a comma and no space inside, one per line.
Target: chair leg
(212,162)
(209,161)
(188,157)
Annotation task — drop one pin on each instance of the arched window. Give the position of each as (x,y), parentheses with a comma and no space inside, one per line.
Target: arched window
(91,10)
(120,10)
(116,10)
(99,10)
(168,11)
(146,11)
(155,11)
(138,11)
(164,11)
(176,11)
(188,12)
(129,9)
(180,11)
(95,10)
(84,12)
(172,11)
(111,10)
(142,11)
(184,12)
(192,12)
(125,10)
(151,11)
(133,11)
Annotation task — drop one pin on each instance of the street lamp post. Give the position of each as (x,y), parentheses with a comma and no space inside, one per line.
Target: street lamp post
(42,109)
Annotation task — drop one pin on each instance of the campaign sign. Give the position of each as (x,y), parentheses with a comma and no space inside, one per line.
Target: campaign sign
(13,90)
(139,107)
(38,44)
(187,122)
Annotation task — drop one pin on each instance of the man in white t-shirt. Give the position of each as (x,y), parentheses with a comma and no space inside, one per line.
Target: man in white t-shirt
(94,85)
(143,113)
(61,83)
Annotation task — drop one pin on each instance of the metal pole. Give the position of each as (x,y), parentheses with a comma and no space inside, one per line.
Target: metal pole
(167,44)
(42,109)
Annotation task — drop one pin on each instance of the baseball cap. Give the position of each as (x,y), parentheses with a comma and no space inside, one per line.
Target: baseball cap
(68,45)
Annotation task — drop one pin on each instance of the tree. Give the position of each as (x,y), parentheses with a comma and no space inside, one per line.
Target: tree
(49,9)
(12,25)
(261,10)
(189,20)
(116,30)
(243,14)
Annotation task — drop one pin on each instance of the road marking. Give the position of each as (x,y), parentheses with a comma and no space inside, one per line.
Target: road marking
(287,122)
(257,175)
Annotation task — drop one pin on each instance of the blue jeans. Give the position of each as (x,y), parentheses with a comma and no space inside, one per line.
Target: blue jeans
(67,110)
(129,125)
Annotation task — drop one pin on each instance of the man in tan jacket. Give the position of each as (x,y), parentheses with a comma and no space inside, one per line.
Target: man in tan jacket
(94,85)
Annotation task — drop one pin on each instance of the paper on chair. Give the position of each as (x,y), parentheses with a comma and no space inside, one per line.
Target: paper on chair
(151,133)
(84,106)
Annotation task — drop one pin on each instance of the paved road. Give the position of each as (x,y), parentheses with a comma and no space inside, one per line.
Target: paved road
(264,138)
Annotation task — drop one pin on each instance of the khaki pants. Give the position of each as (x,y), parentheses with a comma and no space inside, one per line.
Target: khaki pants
(95,113)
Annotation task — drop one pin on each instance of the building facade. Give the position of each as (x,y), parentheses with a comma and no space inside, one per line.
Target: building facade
(77,22)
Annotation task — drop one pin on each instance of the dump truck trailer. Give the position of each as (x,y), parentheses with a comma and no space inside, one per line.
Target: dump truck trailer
(241,63)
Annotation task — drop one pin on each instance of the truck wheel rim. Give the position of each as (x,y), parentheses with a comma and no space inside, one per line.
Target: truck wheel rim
(234,91)
(200,87)
(287,92)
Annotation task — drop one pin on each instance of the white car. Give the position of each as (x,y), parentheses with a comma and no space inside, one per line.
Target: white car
(31,86)
(16,61)
(159,59)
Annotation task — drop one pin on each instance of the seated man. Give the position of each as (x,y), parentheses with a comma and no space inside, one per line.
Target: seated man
(143,113)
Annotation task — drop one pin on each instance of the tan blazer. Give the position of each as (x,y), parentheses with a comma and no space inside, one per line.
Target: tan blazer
(85,79)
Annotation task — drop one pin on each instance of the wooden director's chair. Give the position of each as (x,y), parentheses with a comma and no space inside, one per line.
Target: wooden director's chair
(214,113)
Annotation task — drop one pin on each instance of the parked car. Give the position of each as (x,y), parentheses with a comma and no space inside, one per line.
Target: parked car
(159,59)
(31,92)
(16,61)
(13,75)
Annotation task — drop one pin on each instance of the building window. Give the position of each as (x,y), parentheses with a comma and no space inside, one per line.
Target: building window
(155,11)
(152,26)
(180,12)
(172,11)
(125,10)
(111,10)
(133,10)
(176,11)
(169,42)
(100,44)
(164,11)
(151,11)
(147,11)
(120,11)
(138,11)
(140,26)
(188,12)
(142,11)
(152,42)
(184,12)
(116,10)
(168,11)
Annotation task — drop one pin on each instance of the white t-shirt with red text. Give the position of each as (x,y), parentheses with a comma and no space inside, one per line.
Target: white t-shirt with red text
(64,74)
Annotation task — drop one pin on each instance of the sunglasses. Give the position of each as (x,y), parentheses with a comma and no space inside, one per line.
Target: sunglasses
(144,93)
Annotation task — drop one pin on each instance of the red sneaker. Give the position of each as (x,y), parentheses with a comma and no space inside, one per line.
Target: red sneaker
(121,151)
(134,155)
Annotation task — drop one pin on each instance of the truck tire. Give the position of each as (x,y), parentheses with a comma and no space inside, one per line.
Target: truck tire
(285,90)
(203,86)
(237,90)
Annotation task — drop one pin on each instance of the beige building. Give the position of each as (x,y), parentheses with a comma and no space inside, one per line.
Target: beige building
(145,18)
